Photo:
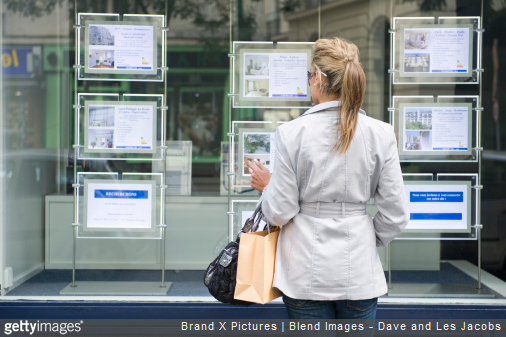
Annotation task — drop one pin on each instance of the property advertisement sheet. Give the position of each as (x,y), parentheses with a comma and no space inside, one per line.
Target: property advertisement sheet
(256,145)
(121,205)
(443,128)
(436,50)
(274,75)
(439,206)
(120,47)
(120,127)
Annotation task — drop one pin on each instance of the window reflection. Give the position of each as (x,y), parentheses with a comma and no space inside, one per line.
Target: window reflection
(199,121)
(38,86)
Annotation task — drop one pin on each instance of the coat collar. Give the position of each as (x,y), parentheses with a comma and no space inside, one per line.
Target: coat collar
(325,106)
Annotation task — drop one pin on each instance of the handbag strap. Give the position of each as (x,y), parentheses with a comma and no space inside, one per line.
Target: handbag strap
(251,224)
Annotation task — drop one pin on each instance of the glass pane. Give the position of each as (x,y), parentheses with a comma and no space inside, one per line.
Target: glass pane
(201,120)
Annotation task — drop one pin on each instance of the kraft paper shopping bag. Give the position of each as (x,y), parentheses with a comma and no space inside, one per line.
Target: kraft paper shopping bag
(255,267)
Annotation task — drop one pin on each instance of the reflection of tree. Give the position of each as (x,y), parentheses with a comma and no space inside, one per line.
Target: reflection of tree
(213,15)
(32,8)
(200,125)
(437,5)
(429,5)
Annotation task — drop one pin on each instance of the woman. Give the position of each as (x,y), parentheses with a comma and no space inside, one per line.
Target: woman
(329,163)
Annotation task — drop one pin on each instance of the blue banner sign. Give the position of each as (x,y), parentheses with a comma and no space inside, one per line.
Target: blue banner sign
(450,148)
(15,61)
(435,216)
(121,194)
(436,196)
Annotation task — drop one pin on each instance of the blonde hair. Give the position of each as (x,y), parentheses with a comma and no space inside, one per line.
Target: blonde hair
(338,59)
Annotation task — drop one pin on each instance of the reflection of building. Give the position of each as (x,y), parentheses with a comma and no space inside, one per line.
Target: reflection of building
(101,36)
(422,116)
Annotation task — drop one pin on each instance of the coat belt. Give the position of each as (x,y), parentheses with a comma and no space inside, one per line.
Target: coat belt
(332,209)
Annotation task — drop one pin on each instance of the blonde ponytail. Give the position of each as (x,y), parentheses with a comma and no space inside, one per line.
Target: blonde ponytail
(338,59)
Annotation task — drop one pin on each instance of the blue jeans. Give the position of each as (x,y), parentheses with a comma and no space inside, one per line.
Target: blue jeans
(340,309)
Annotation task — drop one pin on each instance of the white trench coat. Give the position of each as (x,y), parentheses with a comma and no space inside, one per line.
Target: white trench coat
(327,244)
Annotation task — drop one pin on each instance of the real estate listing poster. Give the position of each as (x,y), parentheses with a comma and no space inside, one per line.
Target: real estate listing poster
(256,146)
(436,50)
(120,127)
(274,75)
(439,206)
(119,204)
(435,129)
(120,48)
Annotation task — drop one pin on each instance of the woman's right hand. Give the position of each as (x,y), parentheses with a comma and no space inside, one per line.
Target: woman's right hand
(260,175)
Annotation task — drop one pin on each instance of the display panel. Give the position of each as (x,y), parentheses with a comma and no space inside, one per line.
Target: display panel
(429,50)
(120,48)
(274,75)
(265,74)
(256,145)
(119,205)
(439,206)
(130,47)
(178,167)
(436,50)
(445,127)
(120,127)
(435,128)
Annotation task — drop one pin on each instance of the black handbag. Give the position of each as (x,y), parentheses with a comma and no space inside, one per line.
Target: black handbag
(220,276)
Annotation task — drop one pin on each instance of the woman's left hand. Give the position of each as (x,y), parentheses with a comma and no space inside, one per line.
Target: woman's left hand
(260,176)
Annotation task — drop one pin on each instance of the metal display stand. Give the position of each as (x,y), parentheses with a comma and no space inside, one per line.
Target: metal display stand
(421,26)
(237,185)
(153,69)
